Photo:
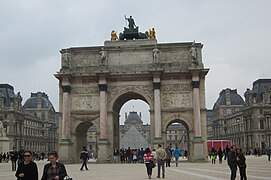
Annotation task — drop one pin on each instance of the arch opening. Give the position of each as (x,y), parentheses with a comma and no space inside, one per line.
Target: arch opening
(131,122)
(177,136)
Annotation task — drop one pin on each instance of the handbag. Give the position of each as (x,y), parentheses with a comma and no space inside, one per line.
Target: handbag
(67,178)
(152,164)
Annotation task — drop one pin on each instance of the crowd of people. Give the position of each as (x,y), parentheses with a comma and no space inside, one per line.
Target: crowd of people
(161,157)
(27,168)
(137,155)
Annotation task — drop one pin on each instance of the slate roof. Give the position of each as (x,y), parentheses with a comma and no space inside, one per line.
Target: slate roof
(32,102)
(235,98)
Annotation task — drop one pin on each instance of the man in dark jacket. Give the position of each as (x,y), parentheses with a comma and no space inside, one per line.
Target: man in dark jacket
(85,157)
(13,158)
(232,161)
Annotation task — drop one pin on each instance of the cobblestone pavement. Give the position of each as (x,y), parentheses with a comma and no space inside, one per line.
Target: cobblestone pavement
(258,168)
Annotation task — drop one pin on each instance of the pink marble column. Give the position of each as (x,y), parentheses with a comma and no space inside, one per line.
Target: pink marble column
(66,113)
(196,107)
(157,108)
(103,111)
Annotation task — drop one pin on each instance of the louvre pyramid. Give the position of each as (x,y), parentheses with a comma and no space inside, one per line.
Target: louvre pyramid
(133,139)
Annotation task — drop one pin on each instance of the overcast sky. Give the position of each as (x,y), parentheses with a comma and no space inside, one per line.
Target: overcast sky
(235,34)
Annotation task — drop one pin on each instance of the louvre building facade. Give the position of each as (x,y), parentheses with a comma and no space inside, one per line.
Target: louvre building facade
(32,126)
(245,122)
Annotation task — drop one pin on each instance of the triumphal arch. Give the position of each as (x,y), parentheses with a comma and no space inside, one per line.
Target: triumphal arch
(94,83)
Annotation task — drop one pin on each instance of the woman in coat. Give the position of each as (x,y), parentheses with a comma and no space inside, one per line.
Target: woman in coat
(148,158)
(54,170)
(241,163)
(27,170)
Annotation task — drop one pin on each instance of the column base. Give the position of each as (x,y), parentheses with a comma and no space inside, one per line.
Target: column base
(4,144)
(65,151)
(104,156)
(198,153)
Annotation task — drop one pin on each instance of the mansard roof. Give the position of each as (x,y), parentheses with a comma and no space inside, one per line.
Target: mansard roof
(36,98)
(133,117)
(7,91)
(260,86)
(235,98)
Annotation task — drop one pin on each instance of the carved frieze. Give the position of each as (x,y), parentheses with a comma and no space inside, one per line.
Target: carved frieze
(90,103)
(176,87)
(170,100)
(85,90)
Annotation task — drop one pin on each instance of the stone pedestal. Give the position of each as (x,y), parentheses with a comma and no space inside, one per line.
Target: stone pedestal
(67,154)
(4,144)
(103,155)
(199,154)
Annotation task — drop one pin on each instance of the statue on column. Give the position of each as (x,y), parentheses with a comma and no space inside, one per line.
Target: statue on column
(114,36)
(131,22)
(193,52)
(65,58)
(152,33)
(155,55)
(103,54)
(2,129)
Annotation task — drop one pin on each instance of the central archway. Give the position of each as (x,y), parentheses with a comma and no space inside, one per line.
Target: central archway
(117,104)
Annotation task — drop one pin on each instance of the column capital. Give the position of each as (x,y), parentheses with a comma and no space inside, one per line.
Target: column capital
(195,84)
(156,85)
(66,89)
(103,87)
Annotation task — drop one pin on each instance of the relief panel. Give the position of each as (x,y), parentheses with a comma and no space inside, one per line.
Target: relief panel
(176,100)
(90,103)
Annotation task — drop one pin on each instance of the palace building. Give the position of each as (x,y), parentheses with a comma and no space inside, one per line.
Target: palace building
(32,126)
(245,122)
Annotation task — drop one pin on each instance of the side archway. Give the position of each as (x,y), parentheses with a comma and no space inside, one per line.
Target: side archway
(177,133)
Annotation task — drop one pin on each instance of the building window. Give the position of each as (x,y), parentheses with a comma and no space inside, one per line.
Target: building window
(261,124)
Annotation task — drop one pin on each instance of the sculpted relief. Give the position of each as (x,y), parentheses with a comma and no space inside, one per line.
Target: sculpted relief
(85,90)
(169,100)
(90,103)
(176,87)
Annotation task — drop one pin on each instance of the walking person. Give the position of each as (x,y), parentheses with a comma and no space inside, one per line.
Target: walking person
(13,158)
(54,170)
(85,157)
(226,152)
(241,162)
(220,155)
(232,161)
(116,155)
(169,156)
(176,154)
(27,170)
(213,155)
(148,159)
(161,156)
(268,152)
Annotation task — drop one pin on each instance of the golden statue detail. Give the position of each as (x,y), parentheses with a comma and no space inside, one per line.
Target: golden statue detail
(114,36)
(152,34)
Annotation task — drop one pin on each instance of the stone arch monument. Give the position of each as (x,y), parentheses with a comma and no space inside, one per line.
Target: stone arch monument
(94,83)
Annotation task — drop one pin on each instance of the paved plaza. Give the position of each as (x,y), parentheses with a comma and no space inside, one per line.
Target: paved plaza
(258,168)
